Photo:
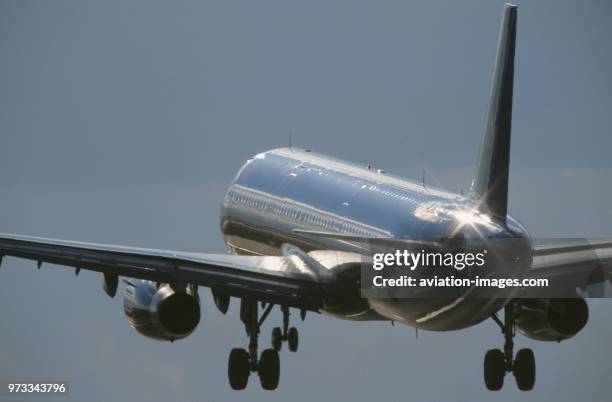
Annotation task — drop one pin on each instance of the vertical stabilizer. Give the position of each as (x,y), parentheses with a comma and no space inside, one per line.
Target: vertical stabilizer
(490,185)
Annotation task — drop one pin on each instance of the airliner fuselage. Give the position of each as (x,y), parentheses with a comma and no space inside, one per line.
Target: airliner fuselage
(285,189)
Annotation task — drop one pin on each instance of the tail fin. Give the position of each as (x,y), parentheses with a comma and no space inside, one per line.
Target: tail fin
(491,182)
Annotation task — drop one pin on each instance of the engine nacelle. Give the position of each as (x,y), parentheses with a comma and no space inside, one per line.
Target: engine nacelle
(161,313)
(551,319)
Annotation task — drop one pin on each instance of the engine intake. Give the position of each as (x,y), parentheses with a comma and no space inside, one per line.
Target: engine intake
(551,319)
(161,313)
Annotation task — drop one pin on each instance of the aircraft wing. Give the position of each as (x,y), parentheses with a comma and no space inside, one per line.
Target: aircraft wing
(274,279)
(574,263)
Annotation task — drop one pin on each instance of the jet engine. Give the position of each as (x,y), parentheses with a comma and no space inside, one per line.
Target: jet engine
(160,311)
(551,319)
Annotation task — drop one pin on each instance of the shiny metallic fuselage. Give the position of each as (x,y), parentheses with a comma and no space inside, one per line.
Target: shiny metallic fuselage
(281,190)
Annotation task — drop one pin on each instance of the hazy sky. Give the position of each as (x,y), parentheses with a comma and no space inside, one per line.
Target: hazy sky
(124,121)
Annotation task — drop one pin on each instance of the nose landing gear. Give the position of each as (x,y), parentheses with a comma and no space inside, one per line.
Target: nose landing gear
(498,363)
(289,335)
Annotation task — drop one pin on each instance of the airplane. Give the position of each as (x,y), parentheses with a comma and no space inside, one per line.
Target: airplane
(294,222)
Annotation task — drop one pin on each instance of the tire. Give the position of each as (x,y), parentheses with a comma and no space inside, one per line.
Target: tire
(494,369)
(524,369)
(238,369)
(269,369)
(293,338)
(277,339)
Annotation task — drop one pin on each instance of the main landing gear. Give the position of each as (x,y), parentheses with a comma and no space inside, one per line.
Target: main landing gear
(242,362)
(289,335)
(498,363)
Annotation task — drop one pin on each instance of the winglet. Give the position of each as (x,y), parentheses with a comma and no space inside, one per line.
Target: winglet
(490,185)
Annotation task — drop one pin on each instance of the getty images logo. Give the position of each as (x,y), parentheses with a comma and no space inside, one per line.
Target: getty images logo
(408,259)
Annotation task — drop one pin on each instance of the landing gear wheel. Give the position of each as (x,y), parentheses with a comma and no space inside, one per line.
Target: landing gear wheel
(277,339)
(238,368)
(494,369)
(292,337)
(269,369)
(524,369)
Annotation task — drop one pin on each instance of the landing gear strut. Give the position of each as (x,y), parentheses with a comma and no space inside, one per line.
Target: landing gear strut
(242,363)
(498,363)
(287,334)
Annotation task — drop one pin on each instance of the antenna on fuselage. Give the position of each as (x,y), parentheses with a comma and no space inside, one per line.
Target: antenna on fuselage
(290,135)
